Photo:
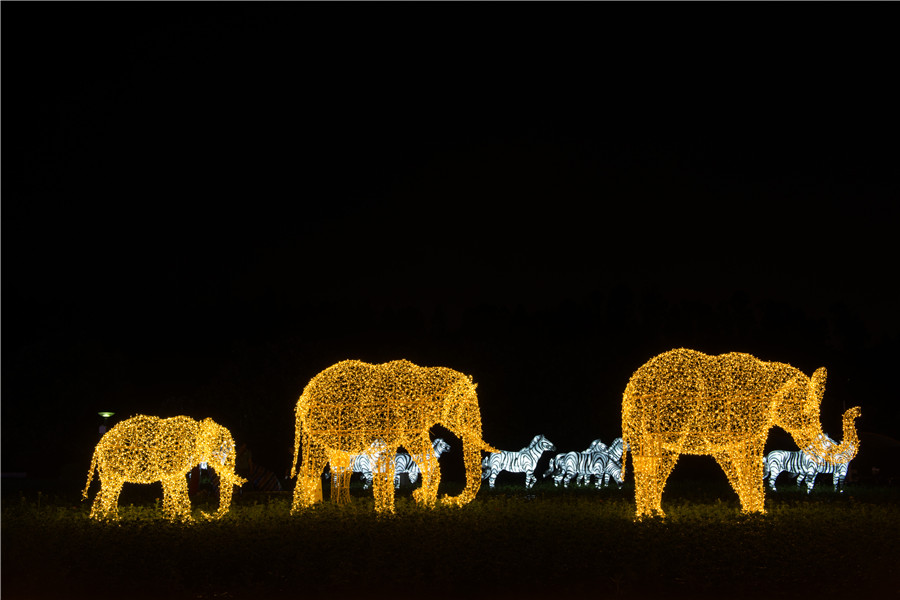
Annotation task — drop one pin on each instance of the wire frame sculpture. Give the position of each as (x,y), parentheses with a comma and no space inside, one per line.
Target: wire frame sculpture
(805,467)
(687,402)
(147,449)
(523,461)
(353,404)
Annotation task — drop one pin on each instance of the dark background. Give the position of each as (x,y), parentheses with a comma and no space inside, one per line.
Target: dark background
(205,205)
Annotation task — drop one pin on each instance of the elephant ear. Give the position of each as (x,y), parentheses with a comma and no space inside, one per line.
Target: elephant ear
(817,385)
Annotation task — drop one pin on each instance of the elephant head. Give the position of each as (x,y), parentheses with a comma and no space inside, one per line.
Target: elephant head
(147,449)
(352,404)
(216,448)
(801,419)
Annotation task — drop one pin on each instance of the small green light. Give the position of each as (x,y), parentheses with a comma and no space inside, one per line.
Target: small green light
(106,415)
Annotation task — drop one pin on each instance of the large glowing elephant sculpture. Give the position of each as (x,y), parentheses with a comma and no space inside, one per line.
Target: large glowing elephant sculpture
(352,405)
(146,449)
(687,402)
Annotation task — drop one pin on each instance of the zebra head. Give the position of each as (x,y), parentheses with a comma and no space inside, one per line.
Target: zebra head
(616,449)
(542,443)
(596,446)
(440,446)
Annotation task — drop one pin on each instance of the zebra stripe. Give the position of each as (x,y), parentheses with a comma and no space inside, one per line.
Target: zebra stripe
(803,466)
(405,463)
(523,461)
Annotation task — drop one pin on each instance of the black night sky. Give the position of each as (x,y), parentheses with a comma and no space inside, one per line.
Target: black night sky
(204,205)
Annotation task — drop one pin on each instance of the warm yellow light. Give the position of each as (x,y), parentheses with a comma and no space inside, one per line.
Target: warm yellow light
(686,402)
(145,449)
(354,408)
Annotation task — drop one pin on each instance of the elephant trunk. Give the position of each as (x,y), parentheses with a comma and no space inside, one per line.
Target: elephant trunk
(300,412)
(227,480)
(810,437)
(845,451)
(464,419)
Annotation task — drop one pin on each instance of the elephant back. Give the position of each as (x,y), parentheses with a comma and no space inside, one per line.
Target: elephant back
(354,402)
(689,375)
(145,448)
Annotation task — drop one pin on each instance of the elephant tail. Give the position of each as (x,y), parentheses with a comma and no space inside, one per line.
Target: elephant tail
(94,463)
(294,470)
(488,448)
(300,412)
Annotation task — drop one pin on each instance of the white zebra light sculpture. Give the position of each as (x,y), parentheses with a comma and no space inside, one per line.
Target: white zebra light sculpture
(409,464)
(566,466)
(523,461)
(403,463)
(598,460)
(804,466)
(343,465)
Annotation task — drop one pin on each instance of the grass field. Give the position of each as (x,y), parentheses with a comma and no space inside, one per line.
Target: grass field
(508,543)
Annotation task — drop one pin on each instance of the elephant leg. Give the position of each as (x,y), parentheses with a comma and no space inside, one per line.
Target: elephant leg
(429,469)
(340,486)
(383,484)
(744,478)
(652,467)
(309,480)
(106,504)
(754,494)
(176,504)
(664,468)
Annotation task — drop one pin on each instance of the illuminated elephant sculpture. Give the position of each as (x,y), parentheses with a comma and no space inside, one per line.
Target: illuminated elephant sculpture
(146,449)
(687,402)
(351,405)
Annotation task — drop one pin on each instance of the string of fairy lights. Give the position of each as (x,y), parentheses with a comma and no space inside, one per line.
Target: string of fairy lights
(353,406)
(687,402)
(147,449)
(679,402)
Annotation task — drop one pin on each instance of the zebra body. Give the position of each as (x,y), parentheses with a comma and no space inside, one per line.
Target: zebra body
(406,463)
(599,460)
(613,468)
(803,466)
(523,461)
(581,464)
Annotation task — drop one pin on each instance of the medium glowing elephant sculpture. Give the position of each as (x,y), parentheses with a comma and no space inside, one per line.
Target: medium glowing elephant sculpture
(351,405)
(147,449)
(687,402)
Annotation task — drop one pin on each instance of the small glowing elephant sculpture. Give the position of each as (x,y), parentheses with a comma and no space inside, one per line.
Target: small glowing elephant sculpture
(352,404)
(146,449)
(684,401)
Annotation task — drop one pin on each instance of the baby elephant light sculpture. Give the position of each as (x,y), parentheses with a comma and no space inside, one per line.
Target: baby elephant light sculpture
(352,404)
(804,466)
(146,449)
(523,461)
(684,401)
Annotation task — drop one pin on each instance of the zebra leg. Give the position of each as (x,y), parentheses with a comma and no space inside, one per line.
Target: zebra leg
(530,479)
(773,475)
(493,478)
